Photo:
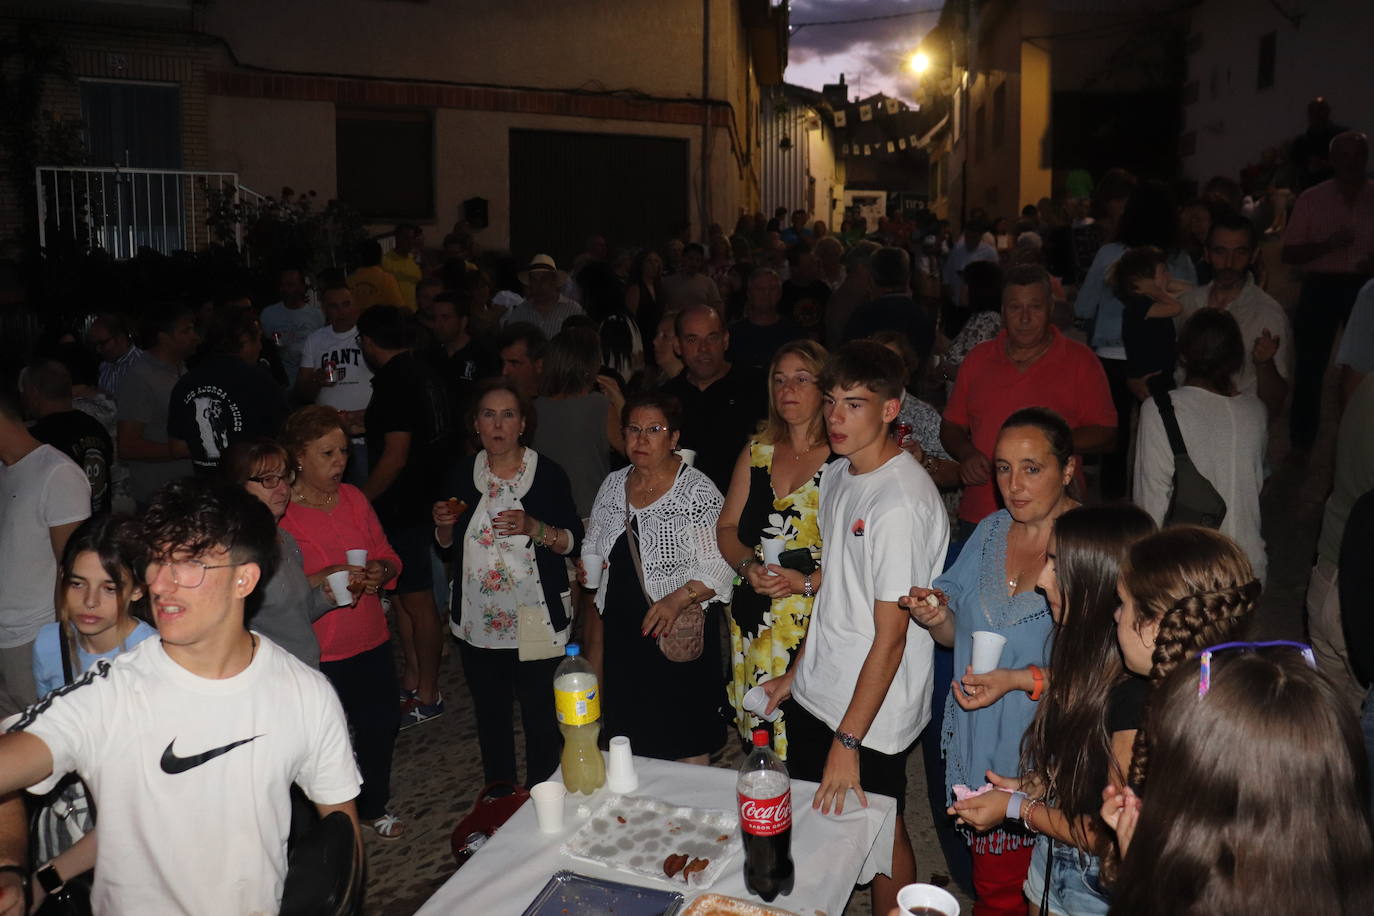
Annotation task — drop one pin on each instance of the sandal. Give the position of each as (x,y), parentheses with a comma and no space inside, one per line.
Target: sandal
(389,827)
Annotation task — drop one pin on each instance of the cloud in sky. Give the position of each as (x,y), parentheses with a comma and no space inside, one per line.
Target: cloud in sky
(872,55)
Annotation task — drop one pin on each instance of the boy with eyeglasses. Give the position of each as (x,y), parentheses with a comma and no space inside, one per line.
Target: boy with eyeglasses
(190,743)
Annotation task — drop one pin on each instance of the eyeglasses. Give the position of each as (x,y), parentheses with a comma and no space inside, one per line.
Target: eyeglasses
(1204,678)
(634,432)
(184,573)
(270,481)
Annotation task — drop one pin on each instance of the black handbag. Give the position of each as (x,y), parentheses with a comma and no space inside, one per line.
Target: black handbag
(1194,500)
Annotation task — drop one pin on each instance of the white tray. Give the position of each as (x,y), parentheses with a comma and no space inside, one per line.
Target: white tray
(634,834)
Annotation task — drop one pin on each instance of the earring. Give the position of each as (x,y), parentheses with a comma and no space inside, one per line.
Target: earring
(240,582)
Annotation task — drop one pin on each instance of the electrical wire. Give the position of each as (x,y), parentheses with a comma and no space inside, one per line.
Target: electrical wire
(798,26)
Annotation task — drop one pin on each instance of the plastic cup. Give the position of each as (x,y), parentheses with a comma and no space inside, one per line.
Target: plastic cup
(338,587)
(914,896)
(688,456)
(756,701)
(548,805)
(591,562)
(987,651)
(620,775)
(356,556)
(772,552)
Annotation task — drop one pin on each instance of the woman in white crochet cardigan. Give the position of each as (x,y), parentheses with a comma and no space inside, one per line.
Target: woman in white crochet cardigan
(666,512)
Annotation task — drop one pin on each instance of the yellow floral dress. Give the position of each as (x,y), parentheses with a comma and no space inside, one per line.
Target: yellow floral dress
(764,633)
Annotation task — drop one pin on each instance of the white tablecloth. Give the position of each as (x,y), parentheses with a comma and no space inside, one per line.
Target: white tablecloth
(831,853)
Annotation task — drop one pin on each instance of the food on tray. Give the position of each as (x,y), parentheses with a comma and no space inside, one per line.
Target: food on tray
(720,905)
(695,866)
(674,864)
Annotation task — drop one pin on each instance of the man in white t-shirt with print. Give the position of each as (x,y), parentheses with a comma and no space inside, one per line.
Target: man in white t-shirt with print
(333,371)
(291,321)
(860,686)
(190,743)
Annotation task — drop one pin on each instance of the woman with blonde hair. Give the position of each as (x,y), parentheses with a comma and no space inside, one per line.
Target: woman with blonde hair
(768,619)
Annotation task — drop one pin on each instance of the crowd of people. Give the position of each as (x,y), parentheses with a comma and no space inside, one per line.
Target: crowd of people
(1051,432)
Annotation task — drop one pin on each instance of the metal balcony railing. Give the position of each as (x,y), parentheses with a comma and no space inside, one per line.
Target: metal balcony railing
(122,210)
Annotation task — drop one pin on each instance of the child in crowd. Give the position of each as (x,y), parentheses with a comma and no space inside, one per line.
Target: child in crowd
(1141,281)
(100,603)
(1259,795)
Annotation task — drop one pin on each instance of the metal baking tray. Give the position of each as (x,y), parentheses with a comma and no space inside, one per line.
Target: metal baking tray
(571,894)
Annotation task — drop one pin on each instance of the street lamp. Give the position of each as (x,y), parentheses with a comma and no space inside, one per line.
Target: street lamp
(919,63)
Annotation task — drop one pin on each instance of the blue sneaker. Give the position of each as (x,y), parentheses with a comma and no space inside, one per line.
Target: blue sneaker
(420,712)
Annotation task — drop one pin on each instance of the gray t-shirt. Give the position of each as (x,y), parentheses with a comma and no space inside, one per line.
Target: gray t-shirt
(290,605)
(145,393)
(572,432)
(291,327)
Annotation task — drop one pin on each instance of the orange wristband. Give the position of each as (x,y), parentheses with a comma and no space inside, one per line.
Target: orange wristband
(1039,678)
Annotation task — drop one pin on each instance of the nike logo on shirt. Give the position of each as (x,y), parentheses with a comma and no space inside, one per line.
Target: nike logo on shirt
(172,764)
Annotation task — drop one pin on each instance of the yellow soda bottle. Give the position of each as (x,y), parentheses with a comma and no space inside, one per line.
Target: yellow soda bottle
(577,699)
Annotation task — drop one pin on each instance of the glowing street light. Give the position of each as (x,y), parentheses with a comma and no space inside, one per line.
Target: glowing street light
(919,63)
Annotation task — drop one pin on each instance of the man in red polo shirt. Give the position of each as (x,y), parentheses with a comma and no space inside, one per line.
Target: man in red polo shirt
(1028,364)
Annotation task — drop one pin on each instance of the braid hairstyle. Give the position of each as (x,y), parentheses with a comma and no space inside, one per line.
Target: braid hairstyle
(1200,588)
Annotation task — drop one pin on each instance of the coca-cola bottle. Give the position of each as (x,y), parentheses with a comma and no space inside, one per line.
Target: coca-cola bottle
(765,820)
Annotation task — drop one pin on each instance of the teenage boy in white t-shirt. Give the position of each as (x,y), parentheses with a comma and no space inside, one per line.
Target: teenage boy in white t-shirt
(190,743)
(860,685)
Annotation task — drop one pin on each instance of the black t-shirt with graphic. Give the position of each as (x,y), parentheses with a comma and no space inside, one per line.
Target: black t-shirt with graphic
(220,402)
(81,438)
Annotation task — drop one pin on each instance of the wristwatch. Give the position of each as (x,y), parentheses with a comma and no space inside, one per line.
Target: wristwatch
(49,879)
(808,589)
(848,741)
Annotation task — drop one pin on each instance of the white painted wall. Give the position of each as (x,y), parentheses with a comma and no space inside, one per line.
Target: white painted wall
(1327,54)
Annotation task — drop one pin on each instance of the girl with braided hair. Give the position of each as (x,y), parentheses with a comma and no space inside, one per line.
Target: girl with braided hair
(1182,589)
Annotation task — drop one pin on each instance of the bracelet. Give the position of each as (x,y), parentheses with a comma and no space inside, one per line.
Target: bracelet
(808,590)
(1026,814)
(1014,805)
(691,594)
(1038,677)
(742,565)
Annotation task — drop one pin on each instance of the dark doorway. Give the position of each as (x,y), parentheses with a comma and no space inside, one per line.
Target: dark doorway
(567,186)
(132,124)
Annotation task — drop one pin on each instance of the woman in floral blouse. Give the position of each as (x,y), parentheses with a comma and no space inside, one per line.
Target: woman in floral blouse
(508,522)
(768,618)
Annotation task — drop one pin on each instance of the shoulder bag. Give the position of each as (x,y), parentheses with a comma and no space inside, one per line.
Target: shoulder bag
(686,639)
(1194,500)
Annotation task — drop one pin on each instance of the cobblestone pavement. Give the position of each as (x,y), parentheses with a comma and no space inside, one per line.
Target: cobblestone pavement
(438,772)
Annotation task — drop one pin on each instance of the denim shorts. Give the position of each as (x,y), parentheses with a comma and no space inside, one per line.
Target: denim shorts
(1074,890)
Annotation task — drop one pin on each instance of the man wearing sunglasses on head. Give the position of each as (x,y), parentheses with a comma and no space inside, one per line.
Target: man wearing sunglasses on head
(190,743)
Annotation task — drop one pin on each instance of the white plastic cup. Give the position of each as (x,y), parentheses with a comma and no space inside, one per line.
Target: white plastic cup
(772,552)
(591,562)
(338,587)
(548,805)
(494,510)
(357,556)
(927,895)
(987,651)
(756,701)
(620,774)
(688,456)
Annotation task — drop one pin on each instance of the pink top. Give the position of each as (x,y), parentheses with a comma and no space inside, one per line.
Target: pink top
(324,537)
(1323,209)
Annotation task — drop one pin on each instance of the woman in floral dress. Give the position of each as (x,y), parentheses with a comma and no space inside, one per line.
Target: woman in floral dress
(770,612)
(508,521)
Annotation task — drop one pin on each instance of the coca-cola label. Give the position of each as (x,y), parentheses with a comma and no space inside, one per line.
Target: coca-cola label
(765,816)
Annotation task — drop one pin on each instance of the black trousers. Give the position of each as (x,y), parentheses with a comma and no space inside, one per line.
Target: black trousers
(496,679)
(367,688)
(1114,482)
(1323,307)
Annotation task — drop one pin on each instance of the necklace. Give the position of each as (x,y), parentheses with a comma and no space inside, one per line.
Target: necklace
(647,486)
(806,451)
(1015,578)
(1035,354)
(314,504)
